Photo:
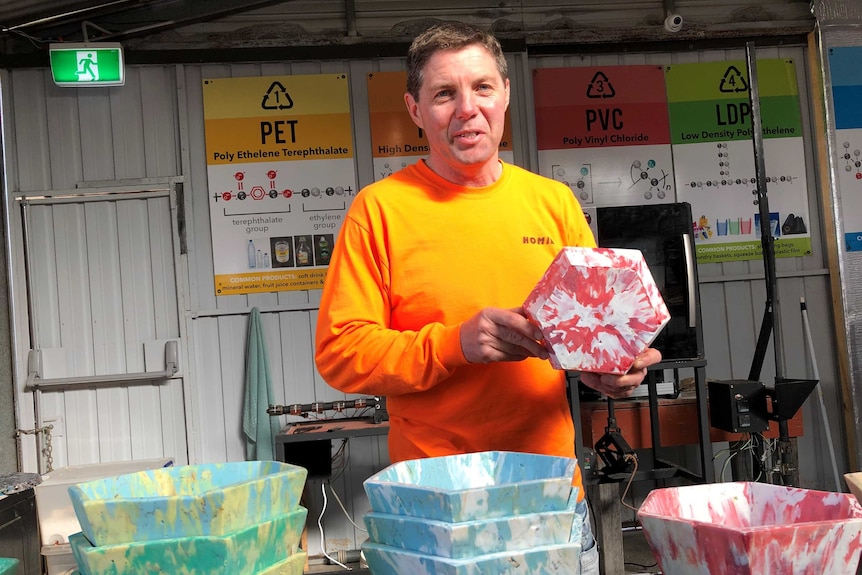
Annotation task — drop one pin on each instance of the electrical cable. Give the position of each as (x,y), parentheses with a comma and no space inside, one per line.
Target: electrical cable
(631,458)
(322,537)
(346,514)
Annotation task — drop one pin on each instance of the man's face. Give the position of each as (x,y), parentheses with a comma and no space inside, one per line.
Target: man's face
(462,108)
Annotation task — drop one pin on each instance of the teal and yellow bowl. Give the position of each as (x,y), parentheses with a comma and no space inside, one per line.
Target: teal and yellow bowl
(8,566)
(193,500)
(250,550)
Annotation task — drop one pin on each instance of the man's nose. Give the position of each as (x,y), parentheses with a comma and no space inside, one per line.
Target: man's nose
(467,104)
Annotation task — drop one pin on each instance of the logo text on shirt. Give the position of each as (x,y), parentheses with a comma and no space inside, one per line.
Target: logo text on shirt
(541,240)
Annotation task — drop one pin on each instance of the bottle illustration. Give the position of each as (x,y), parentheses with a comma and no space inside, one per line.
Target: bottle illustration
(267,263)
(323,250)
(302,253)
(282,251)
(259,259)
(252,255)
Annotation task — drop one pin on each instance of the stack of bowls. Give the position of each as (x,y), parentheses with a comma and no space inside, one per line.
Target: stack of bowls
(211,519)
(488,512)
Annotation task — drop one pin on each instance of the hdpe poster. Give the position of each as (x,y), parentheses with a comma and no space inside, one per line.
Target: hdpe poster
(713,153)
(396,142)
(281,177)
(845,68)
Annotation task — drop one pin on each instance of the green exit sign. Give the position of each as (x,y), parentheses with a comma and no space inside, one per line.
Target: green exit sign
(96,64)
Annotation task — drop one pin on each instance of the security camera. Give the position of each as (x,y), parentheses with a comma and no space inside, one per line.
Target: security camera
(673,23)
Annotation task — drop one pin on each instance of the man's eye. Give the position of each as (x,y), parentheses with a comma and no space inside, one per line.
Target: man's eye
(443,94)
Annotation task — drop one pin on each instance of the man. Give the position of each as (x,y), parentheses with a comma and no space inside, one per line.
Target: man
(422,302)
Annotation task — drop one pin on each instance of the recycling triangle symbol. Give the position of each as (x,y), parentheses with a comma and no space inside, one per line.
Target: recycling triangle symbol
(733,81)
(277,98)
(600,87)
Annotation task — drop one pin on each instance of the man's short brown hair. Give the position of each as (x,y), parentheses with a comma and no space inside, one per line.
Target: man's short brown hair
(448,36)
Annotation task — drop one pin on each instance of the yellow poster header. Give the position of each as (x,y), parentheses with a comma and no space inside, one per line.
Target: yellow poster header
(311,94)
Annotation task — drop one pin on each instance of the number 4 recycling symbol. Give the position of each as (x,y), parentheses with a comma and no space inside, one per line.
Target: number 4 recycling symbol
(733,81)
(276,98)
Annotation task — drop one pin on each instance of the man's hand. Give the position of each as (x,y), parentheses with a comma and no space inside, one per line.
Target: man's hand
(620,386)
(496,334)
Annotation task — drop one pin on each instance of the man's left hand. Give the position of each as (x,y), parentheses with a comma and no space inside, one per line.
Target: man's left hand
(621,386)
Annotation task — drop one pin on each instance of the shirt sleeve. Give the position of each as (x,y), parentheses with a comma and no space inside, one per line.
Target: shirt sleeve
(355,350)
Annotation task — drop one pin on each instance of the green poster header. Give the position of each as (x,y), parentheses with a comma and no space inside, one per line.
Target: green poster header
(709,101)
(729,80)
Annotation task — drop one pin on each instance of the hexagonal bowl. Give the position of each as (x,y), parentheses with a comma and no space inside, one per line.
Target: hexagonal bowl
(749,528)
(248,550)
(598,309)
(209,499)
(473,486)
(562,559)
(8,566)
(470,538)
(293,565)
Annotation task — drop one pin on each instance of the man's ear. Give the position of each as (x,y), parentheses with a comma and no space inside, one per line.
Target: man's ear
(413,109)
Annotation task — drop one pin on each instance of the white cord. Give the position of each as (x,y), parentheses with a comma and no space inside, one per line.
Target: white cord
(320,525)
(346,514)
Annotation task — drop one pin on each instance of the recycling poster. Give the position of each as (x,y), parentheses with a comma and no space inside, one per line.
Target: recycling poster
(281,177)
(713,153)
(845,68)
(604,132)
(396,142)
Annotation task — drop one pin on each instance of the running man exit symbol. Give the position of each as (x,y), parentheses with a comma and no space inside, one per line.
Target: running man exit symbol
(88,66)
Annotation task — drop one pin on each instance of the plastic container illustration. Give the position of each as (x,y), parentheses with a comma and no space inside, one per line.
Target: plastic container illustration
(744,528)
(193,500)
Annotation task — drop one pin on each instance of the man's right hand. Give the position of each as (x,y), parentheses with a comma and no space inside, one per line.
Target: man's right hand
(496,334)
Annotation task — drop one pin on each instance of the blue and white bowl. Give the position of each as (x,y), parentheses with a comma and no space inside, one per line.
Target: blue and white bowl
(473,486)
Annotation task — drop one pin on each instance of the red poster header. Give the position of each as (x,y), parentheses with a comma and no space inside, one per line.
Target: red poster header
(600,106)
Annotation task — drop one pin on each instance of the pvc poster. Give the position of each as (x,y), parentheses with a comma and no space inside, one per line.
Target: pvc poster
(281,178)
(845,68)
(604,132)
(713,152)
(396,142)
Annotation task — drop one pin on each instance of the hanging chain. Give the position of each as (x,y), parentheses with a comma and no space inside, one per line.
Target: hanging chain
(47,448)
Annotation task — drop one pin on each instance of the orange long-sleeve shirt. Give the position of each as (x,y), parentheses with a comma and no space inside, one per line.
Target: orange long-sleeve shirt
(416,257)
